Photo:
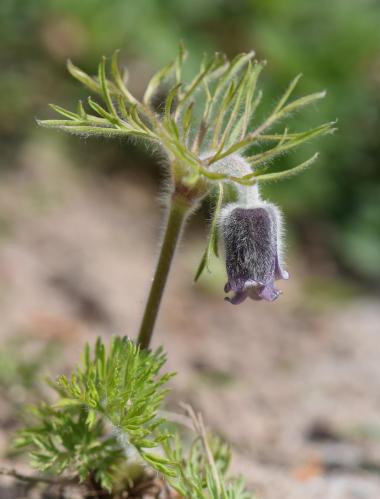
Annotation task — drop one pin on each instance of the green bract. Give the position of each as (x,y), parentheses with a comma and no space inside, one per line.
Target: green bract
(196,123)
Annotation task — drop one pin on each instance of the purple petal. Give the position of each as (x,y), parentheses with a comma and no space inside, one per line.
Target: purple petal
(269,292)
(238,298)
(238,285)
(279,272)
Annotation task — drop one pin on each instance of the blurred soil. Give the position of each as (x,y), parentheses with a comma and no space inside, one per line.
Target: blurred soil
(294,386)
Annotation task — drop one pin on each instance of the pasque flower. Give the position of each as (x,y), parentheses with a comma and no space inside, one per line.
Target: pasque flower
(251,231)
(252,241)
(200,128)
(206,135)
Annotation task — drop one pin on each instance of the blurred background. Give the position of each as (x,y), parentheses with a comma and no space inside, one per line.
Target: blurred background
(295,385)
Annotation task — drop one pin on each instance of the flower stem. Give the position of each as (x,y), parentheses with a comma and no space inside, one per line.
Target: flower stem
(177,216)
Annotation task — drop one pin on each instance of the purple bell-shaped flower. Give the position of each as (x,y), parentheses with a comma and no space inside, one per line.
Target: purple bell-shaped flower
(252,241)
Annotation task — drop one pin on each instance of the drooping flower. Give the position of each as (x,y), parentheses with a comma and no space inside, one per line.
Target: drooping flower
(252,242)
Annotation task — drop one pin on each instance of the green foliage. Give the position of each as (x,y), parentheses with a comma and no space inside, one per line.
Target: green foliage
(106,422)
(201,472)
(63,442)
(107,409)
(125,388)
(198,123)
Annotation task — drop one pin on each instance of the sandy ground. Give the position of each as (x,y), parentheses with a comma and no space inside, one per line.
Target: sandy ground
(294,386)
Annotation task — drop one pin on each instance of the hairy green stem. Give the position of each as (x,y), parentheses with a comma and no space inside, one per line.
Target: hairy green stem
(177,216)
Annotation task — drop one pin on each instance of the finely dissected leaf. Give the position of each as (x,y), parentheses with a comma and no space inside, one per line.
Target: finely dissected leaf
(164,75)
(102,112)
(283,175)
(119,80)
(81,112)
(91,418)
(65,112)
(124,387)
(105,89)
(326,127)
(223,110)
(181,57)
(201,473)
(85,131)
(225,80)
(238,98)
(301,102)
(196,123)
(208,71)
(287,143)
(64,402)
(168,111)
(158,79)
(273,118)
(63,442)
(287,93)
(186,123)
(83,77)
(241,127)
